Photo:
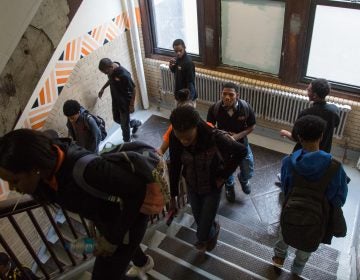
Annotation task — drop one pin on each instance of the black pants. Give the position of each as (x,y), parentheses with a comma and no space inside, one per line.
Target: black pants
(122,118)
(114,267)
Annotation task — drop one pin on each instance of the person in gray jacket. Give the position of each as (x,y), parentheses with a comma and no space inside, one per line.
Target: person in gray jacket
(81,125)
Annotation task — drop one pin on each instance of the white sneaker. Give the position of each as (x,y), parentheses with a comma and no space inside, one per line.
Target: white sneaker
(140,272)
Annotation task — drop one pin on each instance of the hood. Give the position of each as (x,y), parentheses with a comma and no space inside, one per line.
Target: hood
(311,165)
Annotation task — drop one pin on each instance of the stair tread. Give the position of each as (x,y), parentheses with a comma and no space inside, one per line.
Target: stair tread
(206,262)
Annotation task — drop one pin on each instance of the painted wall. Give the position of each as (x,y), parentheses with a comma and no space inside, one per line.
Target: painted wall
(84,35)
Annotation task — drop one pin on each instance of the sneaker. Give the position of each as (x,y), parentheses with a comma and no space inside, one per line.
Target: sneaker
(230,193)
(246,188)
(213,241)
(277,261)
(140,272)
(136,127)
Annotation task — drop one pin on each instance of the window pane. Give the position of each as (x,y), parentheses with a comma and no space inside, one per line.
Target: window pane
(252,34)
(335,44)
(176,19)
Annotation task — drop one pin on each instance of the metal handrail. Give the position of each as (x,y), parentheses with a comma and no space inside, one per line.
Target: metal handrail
(26,205)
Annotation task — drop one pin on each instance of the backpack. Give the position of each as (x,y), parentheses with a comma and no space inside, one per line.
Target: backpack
(305,213)
(141,159)
(99,121)
(244,104)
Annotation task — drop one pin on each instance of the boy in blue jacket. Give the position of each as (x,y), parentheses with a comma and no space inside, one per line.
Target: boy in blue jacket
(311,163)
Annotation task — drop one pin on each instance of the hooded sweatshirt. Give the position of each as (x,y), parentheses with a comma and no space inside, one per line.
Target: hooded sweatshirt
(312,166)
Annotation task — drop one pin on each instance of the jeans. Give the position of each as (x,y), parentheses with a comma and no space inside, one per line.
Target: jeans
(114,267)
(204,208)
(123,118)
(246,169)
(301,257)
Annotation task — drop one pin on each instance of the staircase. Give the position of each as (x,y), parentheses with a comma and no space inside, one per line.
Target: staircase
(244,251)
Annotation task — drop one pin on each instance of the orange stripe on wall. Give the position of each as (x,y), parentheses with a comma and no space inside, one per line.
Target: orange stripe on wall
(61,80)
(94,32)
(98,34)
(42,97)
(84,51)
(38,125)
(48,95)
(88,46)
(67,52)
(39,117)
(63,72)
(138,16)
(117,20)
(110,37)
(111,32)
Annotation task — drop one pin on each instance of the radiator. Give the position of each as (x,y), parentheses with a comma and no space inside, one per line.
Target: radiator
(269,104)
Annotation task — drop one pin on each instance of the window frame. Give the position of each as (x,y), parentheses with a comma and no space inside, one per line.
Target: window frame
(294,52)
(339,4)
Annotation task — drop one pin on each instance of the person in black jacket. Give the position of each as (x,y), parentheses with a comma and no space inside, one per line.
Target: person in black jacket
(184,70)
(122,89)
(208,158)
(33,163)
(317,92)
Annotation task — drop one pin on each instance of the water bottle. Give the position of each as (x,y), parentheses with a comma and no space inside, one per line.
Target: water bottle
(82,246)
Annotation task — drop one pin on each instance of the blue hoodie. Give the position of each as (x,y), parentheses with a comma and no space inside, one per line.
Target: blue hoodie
(312,166)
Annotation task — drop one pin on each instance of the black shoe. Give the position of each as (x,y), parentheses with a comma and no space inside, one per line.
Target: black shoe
(213,241)
(246,188)
(136,127)
(230,193)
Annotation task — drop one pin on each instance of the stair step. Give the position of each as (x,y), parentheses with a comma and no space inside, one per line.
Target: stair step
(262,236)
(208,265)
(313,269)
(171,268)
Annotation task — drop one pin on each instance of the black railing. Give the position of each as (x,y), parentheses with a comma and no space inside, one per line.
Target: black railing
(26,207)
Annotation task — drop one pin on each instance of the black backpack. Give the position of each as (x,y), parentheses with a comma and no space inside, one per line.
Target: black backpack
(305,213)
(99,121)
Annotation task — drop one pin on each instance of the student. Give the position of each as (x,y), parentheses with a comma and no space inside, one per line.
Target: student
(182,98)
(9,271)
(81,126)
(235,116)
(35,164)
(312,164)
(122,89)
(184,70)
(207,157)
(317,92)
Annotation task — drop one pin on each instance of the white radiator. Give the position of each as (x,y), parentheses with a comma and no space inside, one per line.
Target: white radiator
(270,104)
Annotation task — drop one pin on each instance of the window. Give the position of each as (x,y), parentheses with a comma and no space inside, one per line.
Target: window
(175,19)
(251,34)
(334,47)
(279,41)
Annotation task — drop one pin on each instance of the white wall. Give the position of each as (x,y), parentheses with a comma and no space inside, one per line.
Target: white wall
(90,14)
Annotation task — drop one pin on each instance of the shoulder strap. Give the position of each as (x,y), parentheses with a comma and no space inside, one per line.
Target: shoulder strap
(78,175)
